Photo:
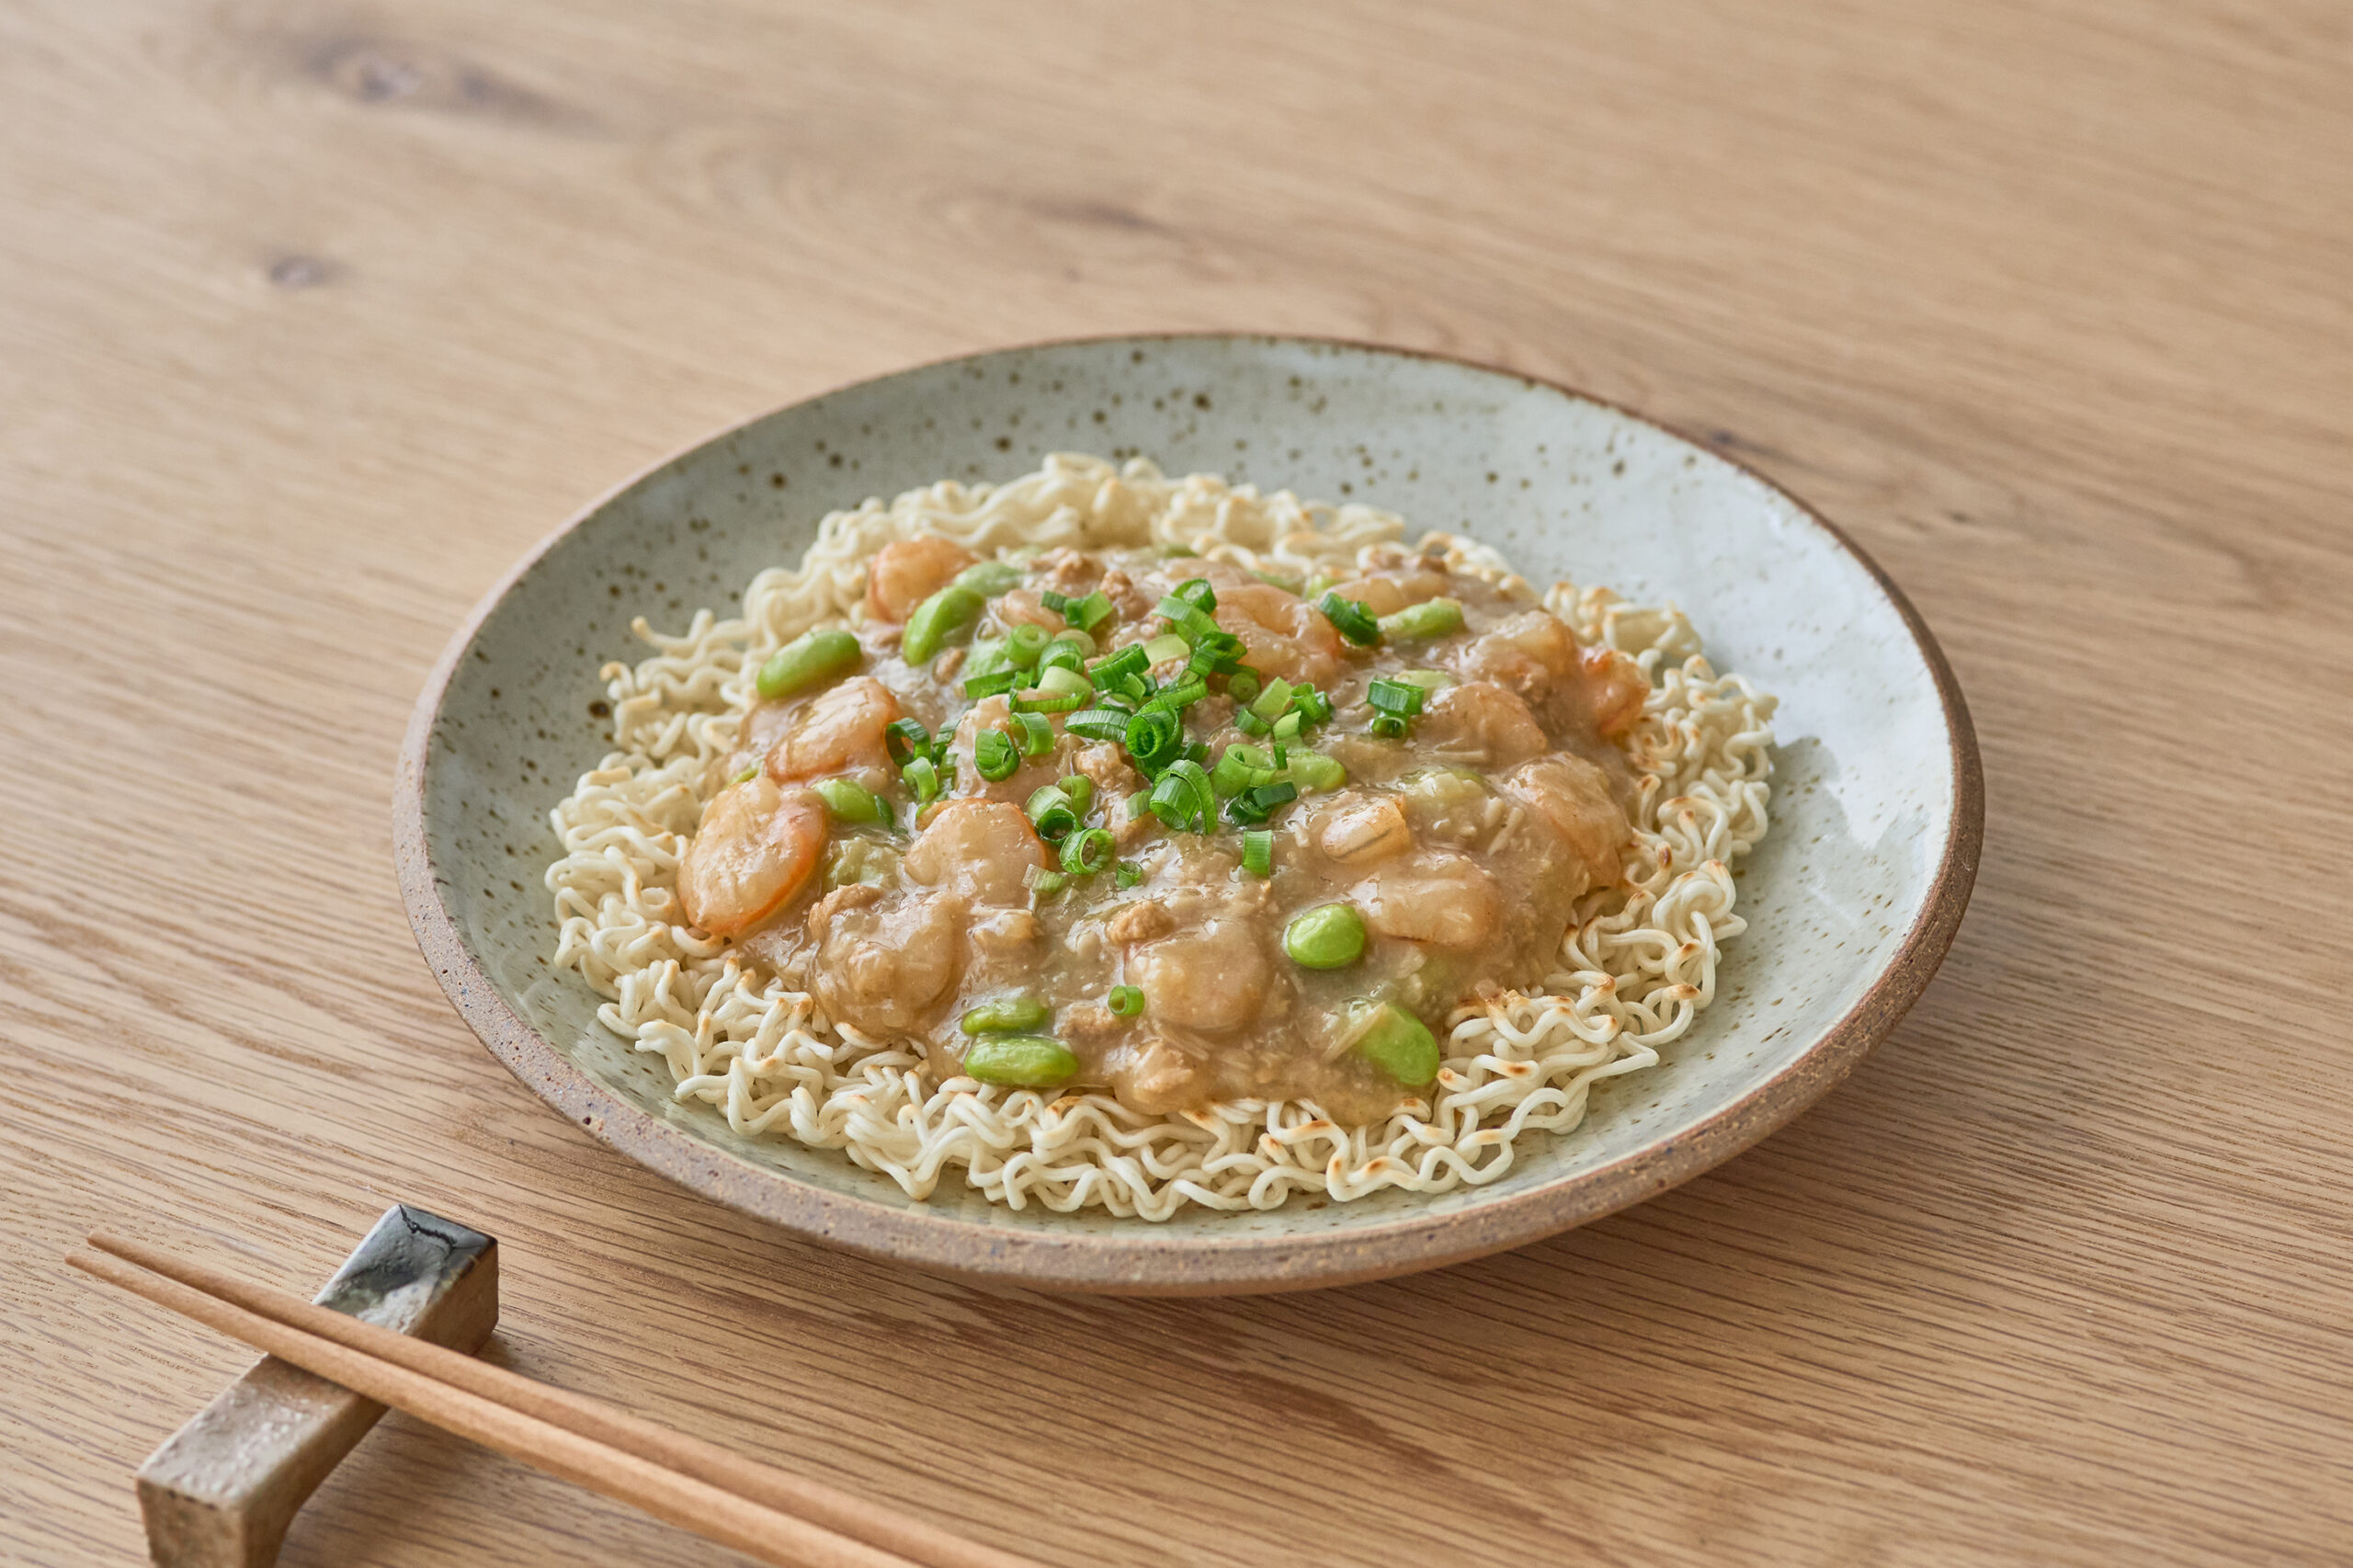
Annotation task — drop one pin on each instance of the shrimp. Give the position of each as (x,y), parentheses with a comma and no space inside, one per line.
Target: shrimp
(1281,634)
(1363,830)
(755,850)
(1212,976)
(884,963)
(982,850)
(908,571)
(1482,721)
(841,729)
(1536,656)
(1024,607)
(1386,592)
(1153,1076)
(1571,796)
(1433,895)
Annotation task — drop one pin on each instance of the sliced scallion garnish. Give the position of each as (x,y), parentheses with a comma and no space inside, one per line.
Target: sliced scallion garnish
(1087,851)
(1259,853)
(995,756)
(1050,811)
(1350,619)
(1037,734)
(1181,798)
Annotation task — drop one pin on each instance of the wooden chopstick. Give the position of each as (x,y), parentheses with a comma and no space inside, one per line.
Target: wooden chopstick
(704,1506)
(841,1512)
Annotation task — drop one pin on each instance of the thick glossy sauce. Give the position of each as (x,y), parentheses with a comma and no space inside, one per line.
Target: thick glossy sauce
(1462,847)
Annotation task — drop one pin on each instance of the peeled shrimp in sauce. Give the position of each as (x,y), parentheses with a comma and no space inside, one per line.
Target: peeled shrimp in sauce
(1463,846)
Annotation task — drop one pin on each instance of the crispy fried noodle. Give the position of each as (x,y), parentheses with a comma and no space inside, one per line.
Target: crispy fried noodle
(1633,973)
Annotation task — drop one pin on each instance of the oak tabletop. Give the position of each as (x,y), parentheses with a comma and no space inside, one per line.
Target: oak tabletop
(315,315)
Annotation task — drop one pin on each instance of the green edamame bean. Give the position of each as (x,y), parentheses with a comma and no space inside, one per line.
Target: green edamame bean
(1400,1045)
(850,800)
(939,618)
(1020,1061)
(989,578)
(1431,617)
(1006,1015)
(807,659)
(1330,936)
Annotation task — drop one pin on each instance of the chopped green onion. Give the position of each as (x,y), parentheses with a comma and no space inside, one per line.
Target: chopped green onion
(1182,694)
(994,755)
(850,800)
(1037,736)
(1389,726)
(1064,679)
(1087,852)
(1431,617)
(1315,707)
(747,775)
(1125,1001)
(1152,737)
(1173,550)
(1048,883)
(1238,768)
(1020,1061)
(1006,1015)
(1182,798)
(1350,619)
(807,659)
(1131,689)
(1055,600)
(923,778)
(1098,724)
(1316,771)
(1216,654)
(988,578)
(1188,618)
(1127,873)
(1131,660)
(1401,697)
(1243,685)
(1023,644)
(1429,680)
(1287,727)
(1081,790)
(1166,646)
(1256,803)
(1070,650)
(1052,702)
(1273,700)
(906,740)
(1091,611)
(1259,853)
(1197,592)
(938,620)
(1050,811)
(1249,723)
(993,683)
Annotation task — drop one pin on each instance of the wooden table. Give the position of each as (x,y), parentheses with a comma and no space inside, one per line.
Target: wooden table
(313,316)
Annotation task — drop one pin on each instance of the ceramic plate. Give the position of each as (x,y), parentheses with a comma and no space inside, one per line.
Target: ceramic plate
(1851,899)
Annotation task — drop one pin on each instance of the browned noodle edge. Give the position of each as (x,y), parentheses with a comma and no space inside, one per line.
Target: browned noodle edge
(1154,1261)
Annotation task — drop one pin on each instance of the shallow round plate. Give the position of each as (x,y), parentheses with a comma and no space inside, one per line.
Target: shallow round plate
(1851,900)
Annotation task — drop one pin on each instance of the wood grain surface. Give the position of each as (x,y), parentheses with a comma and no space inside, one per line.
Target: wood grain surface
(315,313)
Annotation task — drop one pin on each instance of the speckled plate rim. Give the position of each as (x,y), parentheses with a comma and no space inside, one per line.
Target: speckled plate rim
(1152,1262)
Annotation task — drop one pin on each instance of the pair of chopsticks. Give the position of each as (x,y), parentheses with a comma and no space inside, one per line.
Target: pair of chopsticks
(755,1508)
